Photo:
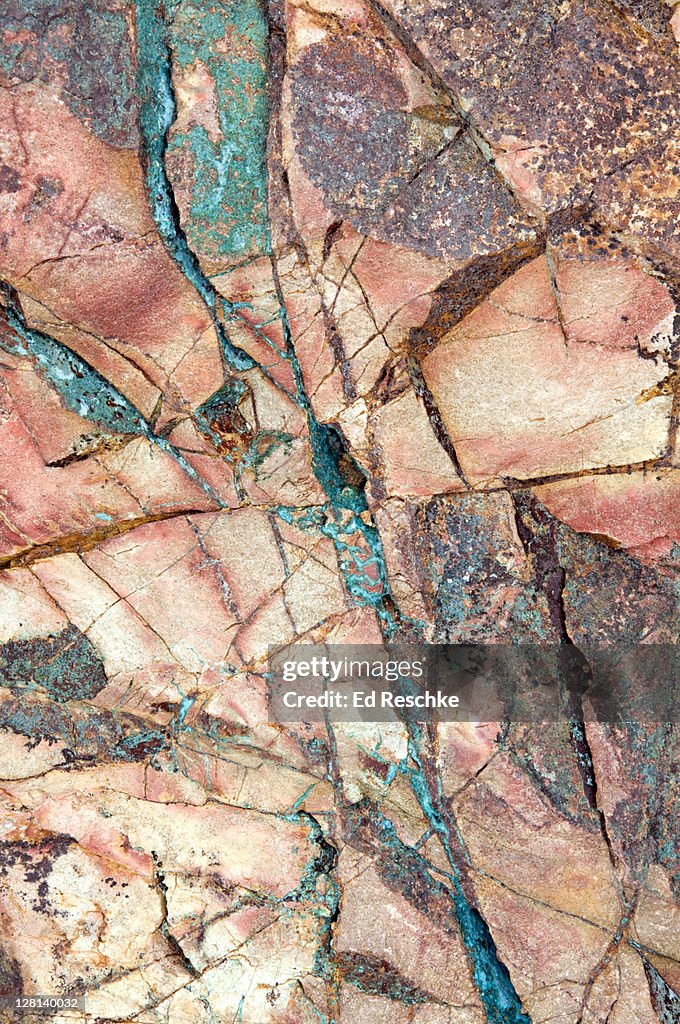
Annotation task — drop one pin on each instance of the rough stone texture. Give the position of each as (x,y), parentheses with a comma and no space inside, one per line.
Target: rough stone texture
(342,320)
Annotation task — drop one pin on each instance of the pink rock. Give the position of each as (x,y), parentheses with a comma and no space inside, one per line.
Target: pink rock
(568,870)
(132,482)
(76,191)
(417,464)
(391,929)
(550,956)
(523,396)
(639,512)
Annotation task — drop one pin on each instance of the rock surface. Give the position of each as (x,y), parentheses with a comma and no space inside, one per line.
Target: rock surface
(334,322)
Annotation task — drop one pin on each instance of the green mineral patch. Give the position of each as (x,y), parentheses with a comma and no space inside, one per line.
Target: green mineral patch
(217,149)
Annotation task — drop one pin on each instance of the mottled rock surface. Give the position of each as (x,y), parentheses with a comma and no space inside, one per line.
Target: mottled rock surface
(334,321)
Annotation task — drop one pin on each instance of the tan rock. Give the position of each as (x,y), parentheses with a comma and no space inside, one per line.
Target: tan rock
(522,396)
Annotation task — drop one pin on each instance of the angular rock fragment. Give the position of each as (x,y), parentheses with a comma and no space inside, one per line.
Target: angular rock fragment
(544,377)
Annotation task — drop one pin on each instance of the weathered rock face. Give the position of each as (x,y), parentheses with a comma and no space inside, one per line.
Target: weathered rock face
(546,377)
(334,321)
